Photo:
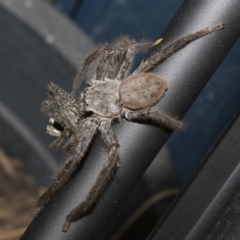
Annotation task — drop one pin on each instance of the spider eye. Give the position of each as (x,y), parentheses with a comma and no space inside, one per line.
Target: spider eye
(54,128)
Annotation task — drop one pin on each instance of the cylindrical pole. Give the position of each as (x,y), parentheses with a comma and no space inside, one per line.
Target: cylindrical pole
(186,72)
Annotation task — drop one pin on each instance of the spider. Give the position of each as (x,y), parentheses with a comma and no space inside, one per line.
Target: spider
(111,93)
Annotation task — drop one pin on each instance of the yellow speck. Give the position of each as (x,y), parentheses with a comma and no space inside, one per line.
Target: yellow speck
(157,41)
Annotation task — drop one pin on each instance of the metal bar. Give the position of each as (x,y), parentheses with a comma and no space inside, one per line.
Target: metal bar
(186,72)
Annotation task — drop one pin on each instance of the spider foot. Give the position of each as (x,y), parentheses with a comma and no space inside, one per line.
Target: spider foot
(66,225)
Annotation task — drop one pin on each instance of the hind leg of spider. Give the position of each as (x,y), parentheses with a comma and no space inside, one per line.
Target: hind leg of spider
(174,46)
(103,179)
(126,63)
(154,115)
(100,53)
(103,65)
(117,63)
(119,49)
(111,61)
(71,164)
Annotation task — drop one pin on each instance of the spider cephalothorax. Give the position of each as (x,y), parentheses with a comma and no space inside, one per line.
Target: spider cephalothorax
(112,93)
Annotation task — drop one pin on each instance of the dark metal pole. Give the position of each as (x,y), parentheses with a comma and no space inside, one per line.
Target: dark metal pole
(186,72)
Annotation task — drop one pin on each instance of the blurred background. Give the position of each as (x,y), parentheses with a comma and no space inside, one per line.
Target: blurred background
(43,41)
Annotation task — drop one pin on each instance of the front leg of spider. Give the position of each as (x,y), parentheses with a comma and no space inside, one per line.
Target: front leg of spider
(172,47)
(69,167)
(103,179)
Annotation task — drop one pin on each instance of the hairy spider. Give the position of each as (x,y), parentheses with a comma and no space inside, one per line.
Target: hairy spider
(111,94)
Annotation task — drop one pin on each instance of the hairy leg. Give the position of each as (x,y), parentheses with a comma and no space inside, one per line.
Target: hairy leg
(64,106)
(128,59)
(103,179)
(50,109)
(71,164)
(70,143)
(111,59)
(57,142)
(103,64)
(98,53)
(174,46)
(154,115)
(119,49)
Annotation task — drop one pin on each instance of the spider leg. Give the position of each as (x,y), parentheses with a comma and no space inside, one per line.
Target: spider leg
(62,133)
(69,143)
(71,164)
(103,179)
(119,47)
(50,109)
(58,141)
(154,115)
(65,107)
(99,52)
(45,106)
(111,61)
(103,65)
(128,59)
(173,47)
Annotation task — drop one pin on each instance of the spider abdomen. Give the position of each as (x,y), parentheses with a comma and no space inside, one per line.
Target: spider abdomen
(142,90)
